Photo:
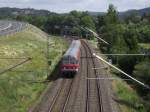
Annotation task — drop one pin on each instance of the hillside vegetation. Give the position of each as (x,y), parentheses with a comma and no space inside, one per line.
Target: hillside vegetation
(19,87)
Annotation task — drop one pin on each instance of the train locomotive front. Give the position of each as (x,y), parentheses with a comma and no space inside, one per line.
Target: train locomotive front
(70,60)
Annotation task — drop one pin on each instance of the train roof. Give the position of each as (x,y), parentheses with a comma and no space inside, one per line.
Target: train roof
(73,49)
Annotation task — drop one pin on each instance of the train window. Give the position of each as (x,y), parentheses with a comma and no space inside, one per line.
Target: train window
(69,60)
(73,61)
(65,60)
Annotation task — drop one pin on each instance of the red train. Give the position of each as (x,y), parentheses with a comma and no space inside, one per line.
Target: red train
(70,60)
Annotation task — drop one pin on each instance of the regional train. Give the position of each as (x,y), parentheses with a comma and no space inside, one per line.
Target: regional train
(71,59)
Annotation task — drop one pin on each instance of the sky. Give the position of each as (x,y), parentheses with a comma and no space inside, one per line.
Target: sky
(61,6)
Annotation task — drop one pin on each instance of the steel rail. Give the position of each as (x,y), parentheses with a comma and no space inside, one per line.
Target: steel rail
(88,82)
(57,96)
(97,83)
(54,99)
(68,96)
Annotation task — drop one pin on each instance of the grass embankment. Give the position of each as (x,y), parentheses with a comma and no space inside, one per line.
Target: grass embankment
(126,97)
(16,92)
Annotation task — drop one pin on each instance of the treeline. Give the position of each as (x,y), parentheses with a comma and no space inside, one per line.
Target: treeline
(124,38)
(62,24)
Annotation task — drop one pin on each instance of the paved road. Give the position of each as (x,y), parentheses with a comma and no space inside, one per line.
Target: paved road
(10,27)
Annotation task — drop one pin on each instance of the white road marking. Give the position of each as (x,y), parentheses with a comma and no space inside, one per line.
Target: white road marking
(6,27)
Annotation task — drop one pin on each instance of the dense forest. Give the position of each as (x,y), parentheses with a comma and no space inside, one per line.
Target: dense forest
(129,35)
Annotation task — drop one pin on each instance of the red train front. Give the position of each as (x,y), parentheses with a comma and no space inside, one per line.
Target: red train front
(70,61)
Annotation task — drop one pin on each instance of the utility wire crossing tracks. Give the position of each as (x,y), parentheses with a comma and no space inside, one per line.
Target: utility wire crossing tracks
(141,83)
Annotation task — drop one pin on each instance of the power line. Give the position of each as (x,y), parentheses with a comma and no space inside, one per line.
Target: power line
(126,54)
(112,78)
(141,83)
(20,71)
(23,80)
(13,58)
(96,35)
(14,66)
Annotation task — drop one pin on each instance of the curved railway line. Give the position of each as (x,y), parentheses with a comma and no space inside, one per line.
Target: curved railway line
(11,27)
(77,94)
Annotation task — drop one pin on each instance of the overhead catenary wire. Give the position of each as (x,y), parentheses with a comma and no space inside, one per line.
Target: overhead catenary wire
(126,54)
(18,70)
(14,66)
(112,78)
(24,80)
(96,35)
(15,58)
(139,82)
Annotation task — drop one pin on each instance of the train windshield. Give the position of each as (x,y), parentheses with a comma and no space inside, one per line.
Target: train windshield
(65,60)
(73,61)
(69,60)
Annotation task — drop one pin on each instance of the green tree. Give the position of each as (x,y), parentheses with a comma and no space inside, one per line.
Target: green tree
(142,72)
(101,21)
(76,14)
(87,21)
(146,16)
(133,18)
(53,24)
(76,31)
(111,16)
(130,37)
(39,21)
(144,33)
(70,20)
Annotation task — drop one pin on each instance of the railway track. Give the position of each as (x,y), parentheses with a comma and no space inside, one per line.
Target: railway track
(59,102)
(77,94)
(58,96)
(76,103)
(64,101)
(94,97)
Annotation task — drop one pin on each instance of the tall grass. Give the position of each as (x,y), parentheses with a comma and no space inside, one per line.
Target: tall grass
(17,93)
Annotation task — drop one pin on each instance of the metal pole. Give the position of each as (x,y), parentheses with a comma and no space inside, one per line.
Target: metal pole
(47,55)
